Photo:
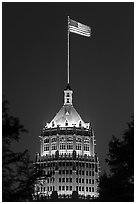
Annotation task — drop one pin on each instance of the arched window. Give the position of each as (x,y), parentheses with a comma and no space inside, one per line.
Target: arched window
(66,123)
(53,124)
(80,124)
(67,100)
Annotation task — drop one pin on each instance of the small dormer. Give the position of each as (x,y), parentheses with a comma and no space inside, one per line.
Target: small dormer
(68,95)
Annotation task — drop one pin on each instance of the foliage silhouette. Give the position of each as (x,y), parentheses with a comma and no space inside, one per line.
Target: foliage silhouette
(119,185)
(17,167)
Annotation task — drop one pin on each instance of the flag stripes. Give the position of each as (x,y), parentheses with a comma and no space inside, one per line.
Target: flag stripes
(79,28)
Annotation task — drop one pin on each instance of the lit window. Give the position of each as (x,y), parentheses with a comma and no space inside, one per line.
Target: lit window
(46,148)
(54,147)
(54,139)
(46,140)
(78,146)
(69,146)
(62,146)
(86,147)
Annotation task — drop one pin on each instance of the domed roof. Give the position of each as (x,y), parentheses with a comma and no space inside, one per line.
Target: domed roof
(67,115)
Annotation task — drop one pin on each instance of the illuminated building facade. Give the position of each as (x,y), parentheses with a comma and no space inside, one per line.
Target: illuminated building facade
(67,153)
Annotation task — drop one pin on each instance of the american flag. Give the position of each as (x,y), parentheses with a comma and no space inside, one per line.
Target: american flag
(79,28)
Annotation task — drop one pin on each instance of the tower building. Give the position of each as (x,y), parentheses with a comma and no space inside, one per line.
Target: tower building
(67,154)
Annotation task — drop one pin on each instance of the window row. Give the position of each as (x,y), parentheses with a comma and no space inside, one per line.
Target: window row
(69,146)
(43,189)
(65,163)
(88,189)
(77,164)
(52,188)
(82,164)
(88,173)
(66,122)
(65,171)
(88,181)
(69,139)
(63,188)
(50,180)
(65,180)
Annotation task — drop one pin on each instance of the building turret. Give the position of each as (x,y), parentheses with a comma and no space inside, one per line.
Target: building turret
(68,153)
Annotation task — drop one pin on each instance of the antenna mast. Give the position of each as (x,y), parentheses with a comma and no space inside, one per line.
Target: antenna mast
(68,52)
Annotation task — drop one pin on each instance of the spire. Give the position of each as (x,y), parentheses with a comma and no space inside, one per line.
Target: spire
(68,95)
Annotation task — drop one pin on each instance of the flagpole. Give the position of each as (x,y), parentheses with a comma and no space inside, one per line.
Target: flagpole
(68,52)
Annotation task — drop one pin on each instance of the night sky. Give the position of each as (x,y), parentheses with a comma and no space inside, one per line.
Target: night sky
(34,60)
